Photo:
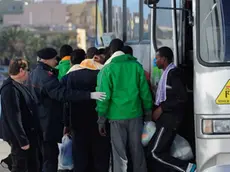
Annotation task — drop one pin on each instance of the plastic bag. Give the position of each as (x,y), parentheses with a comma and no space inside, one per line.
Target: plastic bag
(148,132)
(65,160)
(181,149)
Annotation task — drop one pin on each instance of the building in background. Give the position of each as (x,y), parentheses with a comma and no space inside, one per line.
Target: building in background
(83,15)
(39,14)
(42,23)
(81,39)
(117,21)
(10,7)
(56,15)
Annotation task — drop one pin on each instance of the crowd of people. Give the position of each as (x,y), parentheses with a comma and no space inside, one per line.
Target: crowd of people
(101,98)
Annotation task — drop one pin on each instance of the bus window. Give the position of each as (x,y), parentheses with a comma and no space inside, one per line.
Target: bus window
(146,22)
(133,20)
(214,33)
(100,21)
(164,29)
(117,18)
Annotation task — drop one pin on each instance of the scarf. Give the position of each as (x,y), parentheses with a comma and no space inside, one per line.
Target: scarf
(161,89)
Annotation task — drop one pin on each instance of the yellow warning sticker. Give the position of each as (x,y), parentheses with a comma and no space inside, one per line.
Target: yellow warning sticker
(224,96)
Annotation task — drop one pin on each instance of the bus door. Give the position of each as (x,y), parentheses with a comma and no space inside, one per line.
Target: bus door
(171,26)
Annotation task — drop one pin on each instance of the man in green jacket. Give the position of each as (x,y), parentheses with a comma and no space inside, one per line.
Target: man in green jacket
(128,99)
(64,65)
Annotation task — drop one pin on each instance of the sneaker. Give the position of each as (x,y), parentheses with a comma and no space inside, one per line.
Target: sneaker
(191,167)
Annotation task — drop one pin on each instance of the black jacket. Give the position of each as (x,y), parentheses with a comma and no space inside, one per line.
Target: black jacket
(173,106)
(82,115)
(51,95)
(19,120)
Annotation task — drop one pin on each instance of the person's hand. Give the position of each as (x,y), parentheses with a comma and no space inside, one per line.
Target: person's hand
(157,113)
(101,125)
(66,130)
(98,96)
(25,147)
(102,129)
(148,116)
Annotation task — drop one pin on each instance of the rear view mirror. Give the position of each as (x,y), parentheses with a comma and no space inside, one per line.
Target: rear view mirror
(151,2)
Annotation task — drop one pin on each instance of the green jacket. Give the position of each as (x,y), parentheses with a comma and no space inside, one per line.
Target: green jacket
(126,87)
(63,67)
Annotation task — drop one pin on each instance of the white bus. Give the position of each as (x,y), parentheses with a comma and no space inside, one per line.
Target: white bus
(197,31)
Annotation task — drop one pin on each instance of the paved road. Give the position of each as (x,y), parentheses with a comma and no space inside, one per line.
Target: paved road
(4,152)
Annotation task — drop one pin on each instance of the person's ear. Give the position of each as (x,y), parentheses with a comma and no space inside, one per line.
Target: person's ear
(21,72)
(96,58)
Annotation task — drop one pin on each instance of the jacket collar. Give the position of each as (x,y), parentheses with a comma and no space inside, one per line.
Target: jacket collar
(22,88)
(46,67)
(65,58)
(86,64)
(116,54)
(74,68)
(6,82)
(124,58)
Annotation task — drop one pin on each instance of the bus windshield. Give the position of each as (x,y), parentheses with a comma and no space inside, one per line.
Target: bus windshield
(214,31)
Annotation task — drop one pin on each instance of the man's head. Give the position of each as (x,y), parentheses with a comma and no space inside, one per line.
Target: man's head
(91,52)
(77,56)
(128,50)
(164,57)
(65,50)
(48,56)
(100,56)
(18,69)
(107,53)
(116,45)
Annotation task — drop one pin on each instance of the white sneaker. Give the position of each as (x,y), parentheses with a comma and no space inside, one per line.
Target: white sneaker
(191,167)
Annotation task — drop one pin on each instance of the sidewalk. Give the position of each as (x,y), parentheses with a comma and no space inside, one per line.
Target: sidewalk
(4,152)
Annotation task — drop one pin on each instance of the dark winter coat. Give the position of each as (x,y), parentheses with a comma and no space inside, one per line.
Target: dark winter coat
(82,115)
(51,95)
(19,118)
(173,106)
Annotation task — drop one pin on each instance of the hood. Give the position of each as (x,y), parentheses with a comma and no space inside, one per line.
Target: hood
(90,64)
(64,62)
(86,64)
(65,58)
(124,58)
(74,68)
(116,54)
